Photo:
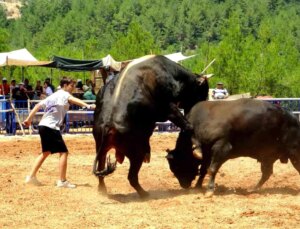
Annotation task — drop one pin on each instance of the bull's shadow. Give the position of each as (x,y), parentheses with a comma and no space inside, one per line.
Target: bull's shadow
(224,191)
(154,195)
(220,191)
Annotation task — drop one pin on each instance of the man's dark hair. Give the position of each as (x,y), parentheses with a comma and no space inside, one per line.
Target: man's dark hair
(66,81)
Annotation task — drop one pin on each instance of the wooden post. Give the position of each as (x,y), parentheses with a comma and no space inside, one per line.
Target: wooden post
(28,106)
(18,118)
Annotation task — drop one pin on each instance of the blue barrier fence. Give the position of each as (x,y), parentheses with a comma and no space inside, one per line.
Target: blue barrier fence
(13,113)
(81,121)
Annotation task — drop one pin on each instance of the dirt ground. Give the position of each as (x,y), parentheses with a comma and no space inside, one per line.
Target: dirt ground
(277,205)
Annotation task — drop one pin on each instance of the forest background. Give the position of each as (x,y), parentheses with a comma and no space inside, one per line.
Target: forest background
(256,43)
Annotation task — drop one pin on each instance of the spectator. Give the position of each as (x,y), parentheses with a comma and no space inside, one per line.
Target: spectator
(88,94)
(4,87)
(220,92)
(50,84)
(28,89)
(47,89)
(56,107)
(22,95)
(19,94)
(38,90)
(79,85)
(12,87)
(91,85)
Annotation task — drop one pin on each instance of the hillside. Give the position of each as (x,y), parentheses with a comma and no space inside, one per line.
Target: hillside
(12,7)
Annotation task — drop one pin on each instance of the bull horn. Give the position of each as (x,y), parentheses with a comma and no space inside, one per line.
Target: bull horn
(208,76)
(208,66)
(197,153)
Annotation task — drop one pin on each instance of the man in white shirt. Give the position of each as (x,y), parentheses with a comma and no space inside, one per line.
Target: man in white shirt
(55,107)
(220,92)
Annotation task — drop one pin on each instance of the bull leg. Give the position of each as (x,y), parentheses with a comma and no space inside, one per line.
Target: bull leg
(203,169)
(212,171)
(267,171)
(100,167)
(203,172)
(178,118)
(220,150)
(135,165)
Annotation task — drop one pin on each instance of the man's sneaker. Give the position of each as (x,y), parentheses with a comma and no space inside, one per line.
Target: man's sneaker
(65,184)
(32,181)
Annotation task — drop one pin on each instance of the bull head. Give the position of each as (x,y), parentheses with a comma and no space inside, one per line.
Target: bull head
(184,166)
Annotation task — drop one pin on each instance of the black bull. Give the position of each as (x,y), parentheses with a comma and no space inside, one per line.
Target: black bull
(148,90)
(231,129)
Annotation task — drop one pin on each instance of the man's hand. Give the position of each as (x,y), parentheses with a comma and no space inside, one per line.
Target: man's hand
(91,107)
(26,123)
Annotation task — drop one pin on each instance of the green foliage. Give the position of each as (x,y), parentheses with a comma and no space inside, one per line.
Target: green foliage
(256,43)
(4,40)
(3,20)
(137,42)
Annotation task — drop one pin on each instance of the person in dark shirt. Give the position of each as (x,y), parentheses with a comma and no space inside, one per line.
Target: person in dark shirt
(38,90)
(27,90)
(4,87)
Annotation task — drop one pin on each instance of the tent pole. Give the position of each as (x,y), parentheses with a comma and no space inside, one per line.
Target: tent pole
(22,73)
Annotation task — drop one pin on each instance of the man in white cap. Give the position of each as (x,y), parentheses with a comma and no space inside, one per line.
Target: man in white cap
(220,92)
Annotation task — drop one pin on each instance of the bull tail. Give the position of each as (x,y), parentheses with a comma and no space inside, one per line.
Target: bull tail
(110,166)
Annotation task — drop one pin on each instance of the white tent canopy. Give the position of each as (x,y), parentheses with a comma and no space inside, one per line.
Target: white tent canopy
(178,56)
(20,57)
(109,61)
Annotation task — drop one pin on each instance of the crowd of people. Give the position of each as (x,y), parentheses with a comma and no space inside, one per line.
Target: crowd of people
(24,90)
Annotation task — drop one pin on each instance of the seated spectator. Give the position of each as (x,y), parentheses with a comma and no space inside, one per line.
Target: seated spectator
(79,85)
(38,90)
(88,94)
(12,87)
(91,85)
(220,92)
(47,90)
(48,80)
(4,87)
(28,89)
(19,94)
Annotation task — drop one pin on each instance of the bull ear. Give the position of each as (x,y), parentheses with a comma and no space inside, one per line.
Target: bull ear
(168,150)
(201,78)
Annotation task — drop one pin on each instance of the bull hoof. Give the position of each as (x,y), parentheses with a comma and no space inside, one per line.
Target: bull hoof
(209,194)
(147,158)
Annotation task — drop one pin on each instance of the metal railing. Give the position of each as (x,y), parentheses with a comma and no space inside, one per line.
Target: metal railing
(81,121)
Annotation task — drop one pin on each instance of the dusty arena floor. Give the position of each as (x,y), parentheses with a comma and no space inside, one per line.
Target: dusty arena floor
(277,205)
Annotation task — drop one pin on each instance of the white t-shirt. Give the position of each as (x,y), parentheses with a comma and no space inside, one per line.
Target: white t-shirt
(48,91)
(55,107)
(220,93)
